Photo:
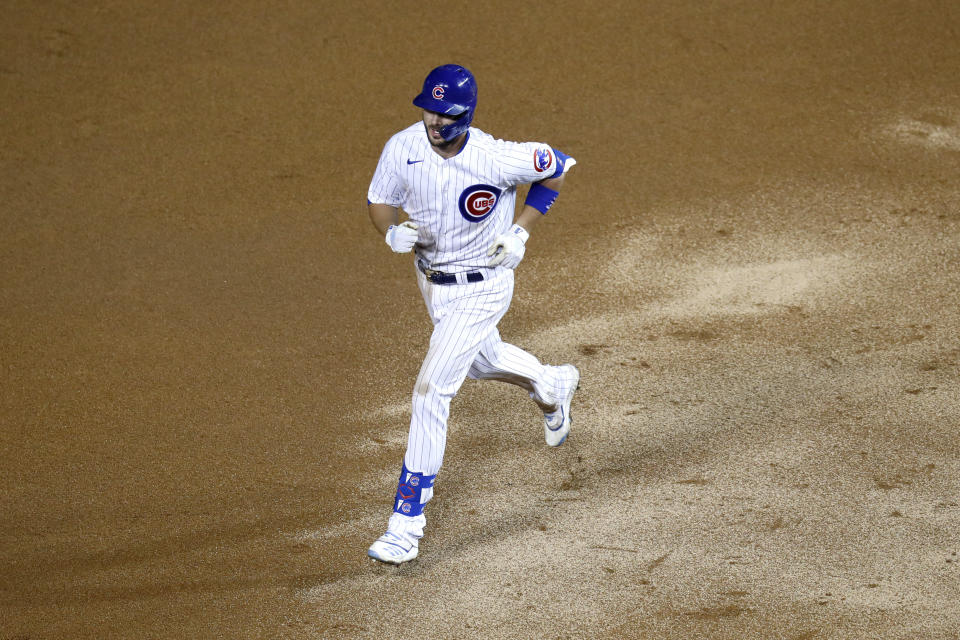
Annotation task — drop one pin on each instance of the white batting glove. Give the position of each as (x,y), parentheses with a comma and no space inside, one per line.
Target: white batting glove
(509,247)
(402,237)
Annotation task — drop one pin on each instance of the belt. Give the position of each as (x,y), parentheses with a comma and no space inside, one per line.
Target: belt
(439,277)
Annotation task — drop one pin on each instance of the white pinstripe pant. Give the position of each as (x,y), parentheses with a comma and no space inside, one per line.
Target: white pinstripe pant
(465,342)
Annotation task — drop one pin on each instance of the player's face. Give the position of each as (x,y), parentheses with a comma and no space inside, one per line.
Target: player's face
(434,122)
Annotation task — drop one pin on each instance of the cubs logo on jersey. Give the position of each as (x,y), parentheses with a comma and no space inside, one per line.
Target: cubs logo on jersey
(478,202)
(543,159)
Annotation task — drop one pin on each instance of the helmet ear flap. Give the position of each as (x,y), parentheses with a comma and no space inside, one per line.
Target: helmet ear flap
(462,123)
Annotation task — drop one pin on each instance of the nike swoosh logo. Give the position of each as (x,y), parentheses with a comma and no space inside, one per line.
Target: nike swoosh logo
(409,161)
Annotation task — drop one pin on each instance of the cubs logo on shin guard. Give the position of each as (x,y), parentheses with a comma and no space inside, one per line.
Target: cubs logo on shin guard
(409,492)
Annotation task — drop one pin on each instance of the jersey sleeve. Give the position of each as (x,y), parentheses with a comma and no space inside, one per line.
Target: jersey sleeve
(386,186)
(525,162)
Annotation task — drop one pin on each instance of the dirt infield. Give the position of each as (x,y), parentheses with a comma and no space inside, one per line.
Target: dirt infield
(206,353)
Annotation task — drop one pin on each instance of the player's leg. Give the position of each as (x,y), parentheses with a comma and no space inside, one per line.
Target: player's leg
(550,387)
(463,315)
(499,360)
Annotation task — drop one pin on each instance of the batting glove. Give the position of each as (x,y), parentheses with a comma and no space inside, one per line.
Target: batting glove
(402,237)
(509,247)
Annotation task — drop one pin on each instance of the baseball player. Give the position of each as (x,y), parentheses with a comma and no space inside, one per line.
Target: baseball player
(457,187)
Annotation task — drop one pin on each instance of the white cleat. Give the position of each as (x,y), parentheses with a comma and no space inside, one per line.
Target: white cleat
(392,549)
(556,425)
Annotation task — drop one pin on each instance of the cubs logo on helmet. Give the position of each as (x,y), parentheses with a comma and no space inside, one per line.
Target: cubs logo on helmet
(479,201)
(438,92)
(542,159)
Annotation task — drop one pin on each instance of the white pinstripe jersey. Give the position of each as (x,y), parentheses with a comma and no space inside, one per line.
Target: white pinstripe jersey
(461,204)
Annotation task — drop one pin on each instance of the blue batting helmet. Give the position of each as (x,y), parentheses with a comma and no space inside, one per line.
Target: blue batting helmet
(452,91)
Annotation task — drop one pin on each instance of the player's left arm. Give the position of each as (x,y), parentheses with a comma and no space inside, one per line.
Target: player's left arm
(529,214)
(508,248)
(544,168)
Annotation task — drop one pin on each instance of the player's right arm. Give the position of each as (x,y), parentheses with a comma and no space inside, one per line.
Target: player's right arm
(383,203)
(382,216)
(401,237)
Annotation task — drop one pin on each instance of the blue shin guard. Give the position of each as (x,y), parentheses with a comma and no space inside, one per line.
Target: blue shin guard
(409,491)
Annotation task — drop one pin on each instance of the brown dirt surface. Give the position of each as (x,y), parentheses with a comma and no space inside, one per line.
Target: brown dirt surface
(206,353)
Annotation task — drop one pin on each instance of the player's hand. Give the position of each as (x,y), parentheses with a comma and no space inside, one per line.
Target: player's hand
(402,237)
(509,247)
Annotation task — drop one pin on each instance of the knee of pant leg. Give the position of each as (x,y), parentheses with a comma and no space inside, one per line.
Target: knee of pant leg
(491,354)
(422,388)
(428,391)
(411,494)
